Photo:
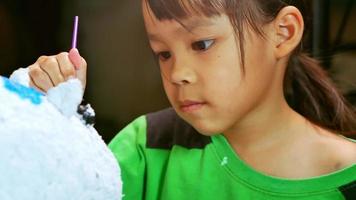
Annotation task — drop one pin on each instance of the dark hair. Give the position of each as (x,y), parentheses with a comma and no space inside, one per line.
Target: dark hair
(307,88)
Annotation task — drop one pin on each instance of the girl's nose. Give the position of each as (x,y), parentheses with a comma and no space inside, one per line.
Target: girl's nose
(182,72)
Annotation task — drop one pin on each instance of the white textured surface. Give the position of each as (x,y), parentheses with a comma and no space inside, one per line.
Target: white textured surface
(66,96)
(46,155)
(21,76)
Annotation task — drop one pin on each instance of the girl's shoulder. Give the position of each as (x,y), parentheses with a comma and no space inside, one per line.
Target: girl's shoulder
(348,154)
(340,150)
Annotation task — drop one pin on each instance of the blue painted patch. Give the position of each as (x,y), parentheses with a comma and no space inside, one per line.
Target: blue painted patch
(22,91)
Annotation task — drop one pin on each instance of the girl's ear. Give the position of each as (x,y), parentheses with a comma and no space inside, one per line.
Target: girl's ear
(289,28)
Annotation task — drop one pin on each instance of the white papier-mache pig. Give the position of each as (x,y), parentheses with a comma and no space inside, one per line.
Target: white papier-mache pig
(46,150)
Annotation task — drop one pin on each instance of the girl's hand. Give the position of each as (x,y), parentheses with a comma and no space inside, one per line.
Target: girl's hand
(49,71)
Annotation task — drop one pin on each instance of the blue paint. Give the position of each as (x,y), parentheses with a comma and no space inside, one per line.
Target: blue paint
(22,91)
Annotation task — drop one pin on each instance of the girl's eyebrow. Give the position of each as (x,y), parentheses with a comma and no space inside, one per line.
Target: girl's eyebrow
(194,23)
(186,25)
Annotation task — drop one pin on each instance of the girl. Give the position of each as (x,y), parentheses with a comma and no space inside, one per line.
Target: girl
(252,118)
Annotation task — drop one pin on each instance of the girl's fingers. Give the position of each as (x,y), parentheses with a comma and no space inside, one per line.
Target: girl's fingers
(49,71)
(80,65)
(82,72)
(39,78)
(75,58)
(41,59)
(65,66)
(33,85)
(51,67)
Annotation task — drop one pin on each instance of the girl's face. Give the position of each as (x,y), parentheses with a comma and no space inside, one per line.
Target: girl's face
(202,73)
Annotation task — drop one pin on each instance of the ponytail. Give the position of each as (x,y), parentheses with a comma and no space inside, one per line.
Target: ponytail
(310,92)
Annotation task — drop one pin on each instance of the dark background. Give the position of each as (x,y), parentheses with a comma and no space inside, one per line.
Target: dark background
(123,81)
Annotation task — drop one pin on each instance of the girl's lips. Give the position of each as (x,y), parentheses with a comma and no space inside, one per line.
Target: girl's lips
(191,106)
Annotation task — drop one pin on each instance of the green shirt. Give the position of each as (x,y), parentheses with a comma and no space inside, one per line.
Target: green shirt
(162,157)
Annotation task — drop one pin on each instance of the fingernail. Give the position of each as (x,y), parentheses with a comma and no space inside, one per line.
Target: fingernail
(75,57)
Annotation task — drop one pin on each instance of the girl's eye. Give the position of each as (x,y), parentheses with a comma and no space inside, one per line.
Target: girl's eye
(202,45)
(164,55)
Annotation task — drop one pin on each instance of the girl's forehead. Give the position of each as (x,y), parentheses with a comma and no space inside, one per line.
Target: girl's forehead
(177,9)
(181,11)
(188,22)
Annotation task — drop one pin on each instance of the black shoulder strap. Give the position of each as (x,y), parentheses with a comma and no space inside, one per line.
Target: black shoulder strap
(349,190)
(166,129)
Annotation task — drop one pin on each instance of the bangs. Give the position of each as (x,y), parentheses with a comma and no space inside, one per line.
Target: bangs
(181,9)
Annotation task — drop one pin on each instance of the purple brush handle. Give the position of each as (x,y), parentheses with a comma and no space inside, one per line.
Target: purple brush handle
(75,32)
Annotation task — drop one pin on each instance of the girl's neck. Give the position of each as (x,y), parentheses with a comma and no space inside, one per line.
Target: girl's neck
(277,124)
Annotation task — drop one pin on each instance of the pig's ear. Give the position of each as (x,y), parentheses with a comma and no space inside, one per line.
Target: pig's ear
(21,76)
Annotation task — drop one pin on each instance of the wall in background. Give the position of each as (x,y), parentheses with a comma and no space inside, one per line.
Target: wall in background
(343,68)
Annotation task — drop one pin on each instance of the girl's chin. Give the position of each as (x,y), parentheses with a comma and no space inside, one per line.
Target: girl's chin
(205,129)
(202,125)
